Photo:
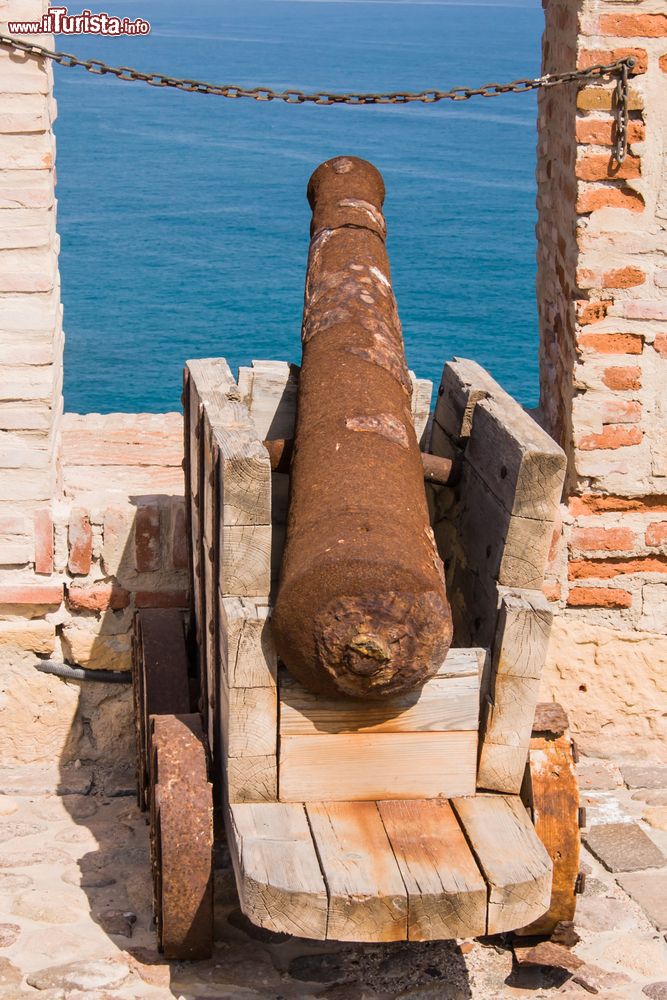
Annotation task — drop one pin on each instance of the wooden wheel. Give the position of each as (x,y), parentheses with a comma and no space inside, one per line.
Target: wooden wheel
(551,794)
(181,819)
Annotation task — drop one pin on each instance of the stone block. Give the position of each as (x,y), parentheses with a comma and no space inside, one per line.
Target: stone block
(623,847)
(117,538)
(96,651)
(26,189)
(644,775)
(598,775)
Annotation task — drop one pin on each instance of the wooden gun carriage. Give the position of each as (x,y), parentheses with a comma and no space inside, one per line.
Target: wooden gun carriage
(446,812)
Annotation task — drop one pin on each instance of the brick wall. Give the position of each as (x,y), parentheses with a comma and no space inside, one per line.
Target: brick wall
(602,293)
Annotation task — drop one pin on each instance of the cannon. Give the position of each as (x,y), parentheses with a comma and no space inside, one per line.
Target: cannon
(354,691)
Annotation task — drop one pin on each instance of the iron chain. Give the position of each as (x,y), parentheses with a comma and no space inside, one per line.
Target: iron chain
(324,97)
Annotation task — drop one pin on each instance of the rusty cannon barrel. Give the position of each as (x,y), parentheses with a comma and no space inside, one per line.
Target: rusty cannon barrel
(361,607)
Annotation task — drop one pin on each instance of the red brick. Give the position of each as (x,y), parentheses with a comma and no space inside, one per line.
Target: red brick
(633,25)
(43,542)
(594,199)
(656,533)
(98,597)
(596,503)
(605,569)
(551,591)
(32,593)
(612,343)
(660,344)
(621,411)
(601,132)
(629,377)
(609,539)
(147,539)
(80,543)
(161,599)
(624,277)
(179,540)
(591,312)
(595,57)
(600,167)
(663,63)
(612,436)
(598,597)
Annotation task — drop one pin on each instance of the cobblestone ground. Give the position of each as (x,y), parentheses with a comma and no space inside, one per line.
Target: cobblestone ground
(75,911)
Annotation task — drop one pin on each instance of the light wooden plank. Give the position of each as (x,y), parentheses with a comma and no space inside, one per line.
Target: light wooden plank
(519,461)
(245,468)
(244,474)
(442,704)
(367,897)
(278,875)
(422,391)
(461,663)
(365,766)
(245,569)
(269,390)
(512,859)
(252,779)
(464,383)
(446,891)
(246,643)
(249,719)
(520,649)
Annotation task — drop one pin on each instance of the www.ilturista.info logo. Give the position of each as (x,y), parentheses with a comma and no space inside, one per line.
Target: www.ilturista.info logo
(58,20)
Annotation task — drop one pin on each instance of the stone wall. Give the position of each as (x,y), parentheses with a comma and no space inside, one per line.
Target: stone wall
(602,293)
(91,508)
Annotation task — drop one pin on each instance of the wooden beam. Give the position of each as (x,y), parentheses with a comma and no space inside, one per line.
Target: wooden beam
(277,872)
(246,645)
(512,859)
(367,897)
(365,766)
(443,704)
(522,638)
(446,891)
(252,779)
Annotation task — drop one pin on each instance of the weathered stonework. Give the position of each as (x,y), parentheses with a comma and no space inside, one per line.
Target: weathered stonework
(602,298)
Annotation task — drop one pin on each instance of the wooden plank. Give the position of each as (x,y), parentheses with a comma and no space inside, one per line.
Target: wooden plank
(443,704)
(269,390)
(505,547)
(464,383)
(422,391)
(249,720)
(512,859)
(278,875)
(245,468)
(245,569)
(252,779)
(367,897)
(365,766)
(446,891)
(246,643)
(522,638)
(244,474)
(519,462)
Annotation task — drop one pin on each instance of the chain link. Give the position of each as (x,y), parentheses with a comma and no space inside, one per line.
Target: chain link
(324,97)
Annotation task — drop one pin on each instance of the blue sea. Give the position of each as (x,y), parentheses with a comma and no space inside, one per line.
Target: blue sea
(184,219)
